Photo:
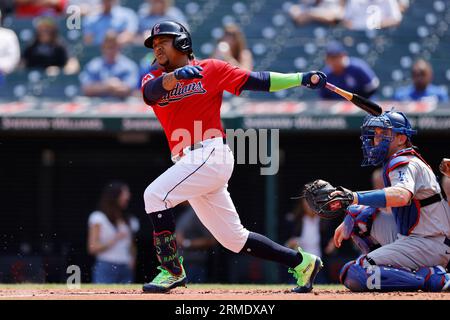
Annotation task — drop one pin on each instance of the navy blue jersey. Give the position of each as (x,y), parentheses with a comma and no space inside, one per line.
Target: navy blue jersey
(357,77)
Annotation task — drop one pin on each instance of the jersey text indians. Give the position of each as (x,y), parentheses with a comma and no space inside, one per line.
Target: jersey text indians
(180,92)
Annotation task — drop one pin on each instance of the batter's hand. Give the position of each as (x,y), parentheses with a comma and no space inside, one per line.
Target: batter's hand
(317,82)
(188,72)
(444,167)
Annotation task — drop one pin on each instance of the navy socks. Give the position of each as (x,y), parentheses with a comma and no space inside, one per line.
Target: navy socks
(262,247)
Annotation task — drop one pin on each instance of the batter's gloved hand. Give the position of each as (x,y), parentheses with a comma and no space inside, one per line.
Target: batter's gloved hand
(188,72)
(326,201)
(306,79)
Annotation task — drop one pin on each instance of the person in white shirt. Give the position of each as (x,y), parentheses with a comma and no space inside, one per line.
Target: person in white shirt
(372,14)
(9,51)
(110,236)
(306,233)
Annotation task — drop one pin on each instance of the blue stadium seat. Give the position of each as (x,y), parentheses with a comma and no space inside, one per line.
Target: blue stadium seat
(277,44)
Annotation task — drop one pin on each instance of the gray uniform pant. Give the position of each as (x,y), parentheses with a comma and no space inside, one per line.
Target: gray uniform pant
(410,252)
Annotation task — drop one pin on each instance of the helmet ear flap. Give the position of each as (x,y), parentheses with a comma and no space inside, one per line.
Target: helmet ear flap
(182,43)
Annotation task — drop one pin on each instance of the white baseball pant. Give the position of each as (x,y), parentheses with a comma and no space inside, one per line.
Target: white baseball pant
(201,177)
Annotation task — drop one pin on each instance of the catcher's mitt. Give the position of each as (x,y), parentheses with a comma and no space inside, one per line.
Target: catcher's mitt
(319,196)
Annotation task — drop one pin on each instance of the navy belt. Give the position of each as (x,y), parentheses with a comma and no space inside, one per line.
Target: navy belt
(191,148)
(447,241)
(200,145)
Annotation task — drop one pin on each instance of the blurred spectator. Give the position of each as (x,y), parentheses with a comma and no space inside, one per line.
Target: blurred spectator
(444,167)
(348,73)
(195,243)
(232,48)
(9,51)
(145,65)
(404,5)
(112,74)
(110,236)
(372,14)
(378,183)
(6,8)
(48,50)
(308,231)
(377,179)
(112,17)
(86,6)
(154,11)
(322,11)
(421,89)
(34,8)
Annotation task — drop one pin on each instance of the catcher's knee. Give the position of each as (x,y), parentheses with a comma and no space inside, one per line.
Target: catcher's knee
(354,276)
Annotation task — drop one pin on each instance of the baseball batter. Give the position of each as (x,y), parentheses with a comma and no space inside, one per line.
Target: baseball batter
(408,249)
(186,96)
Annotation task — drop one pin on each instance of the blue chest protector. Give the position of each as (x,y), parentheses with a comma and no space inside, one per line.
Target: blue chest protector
(406,217)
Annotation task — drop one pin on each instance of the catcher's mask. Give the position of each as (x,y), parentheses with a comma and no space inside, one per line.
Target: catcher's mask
(390,123)
(181,36)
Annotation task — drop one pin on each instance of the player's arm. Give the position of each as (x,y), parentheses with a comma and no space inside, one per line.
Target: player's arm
(399,194)
(155,89)
(274,81)
(387,197)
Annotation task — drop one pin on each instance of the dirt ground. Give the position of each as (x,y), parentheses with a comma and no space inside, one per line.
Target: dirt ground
(208,294)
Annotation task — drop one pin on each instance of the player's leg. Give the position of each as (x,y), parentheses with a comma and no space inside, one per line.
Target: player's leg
(412,252)
(384,228)
(193,176)
(218,213)
(383,231)
(390,268)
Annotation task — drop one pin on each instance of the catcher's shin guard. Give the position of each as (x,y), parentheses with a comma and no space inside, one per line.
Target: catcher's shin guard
(436,278)
(359,276)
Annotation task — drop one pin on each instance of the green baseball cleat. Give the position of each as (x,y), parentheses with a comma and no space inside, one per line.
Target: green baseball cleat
(306,272)
(165,281)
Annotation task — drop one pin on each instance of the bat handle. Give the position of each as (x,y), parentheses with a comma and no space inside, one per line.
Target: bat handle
(331,87)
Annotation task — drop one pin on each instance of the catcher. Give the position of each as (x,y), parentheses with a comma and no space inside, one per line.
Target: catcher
(402,251)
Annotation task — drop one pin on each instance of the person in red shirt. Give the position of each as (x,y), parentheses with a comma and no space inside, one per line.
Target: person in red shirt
(186,96)
(35,8)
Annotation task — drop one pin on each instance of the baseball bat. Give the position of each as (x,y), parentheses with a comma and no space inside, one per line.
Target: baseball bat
(361,102)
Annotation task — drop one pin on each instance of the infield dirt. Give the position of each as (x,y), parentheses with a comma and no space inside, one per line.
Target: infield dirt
(200,293)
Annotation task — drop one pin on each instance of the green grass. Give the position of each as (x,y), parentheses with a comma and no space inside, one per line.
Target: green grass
(209,286)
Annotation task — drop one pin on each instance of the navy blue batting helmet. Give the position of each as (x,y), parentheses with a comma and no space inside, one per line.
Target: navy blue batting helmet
(181,36)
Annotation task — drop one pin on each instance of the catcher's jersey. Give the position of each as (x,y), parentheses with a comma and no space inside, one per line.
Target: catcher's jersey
(191,111)
(408,170)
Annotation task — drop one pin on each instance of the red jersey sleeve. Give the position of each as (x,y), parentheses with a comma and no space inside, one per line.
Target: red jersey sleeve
(229,78)
(152,75)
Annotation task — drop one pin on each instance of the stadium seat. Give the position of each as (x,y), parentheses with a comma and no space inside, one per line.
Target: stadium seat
(277,43)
